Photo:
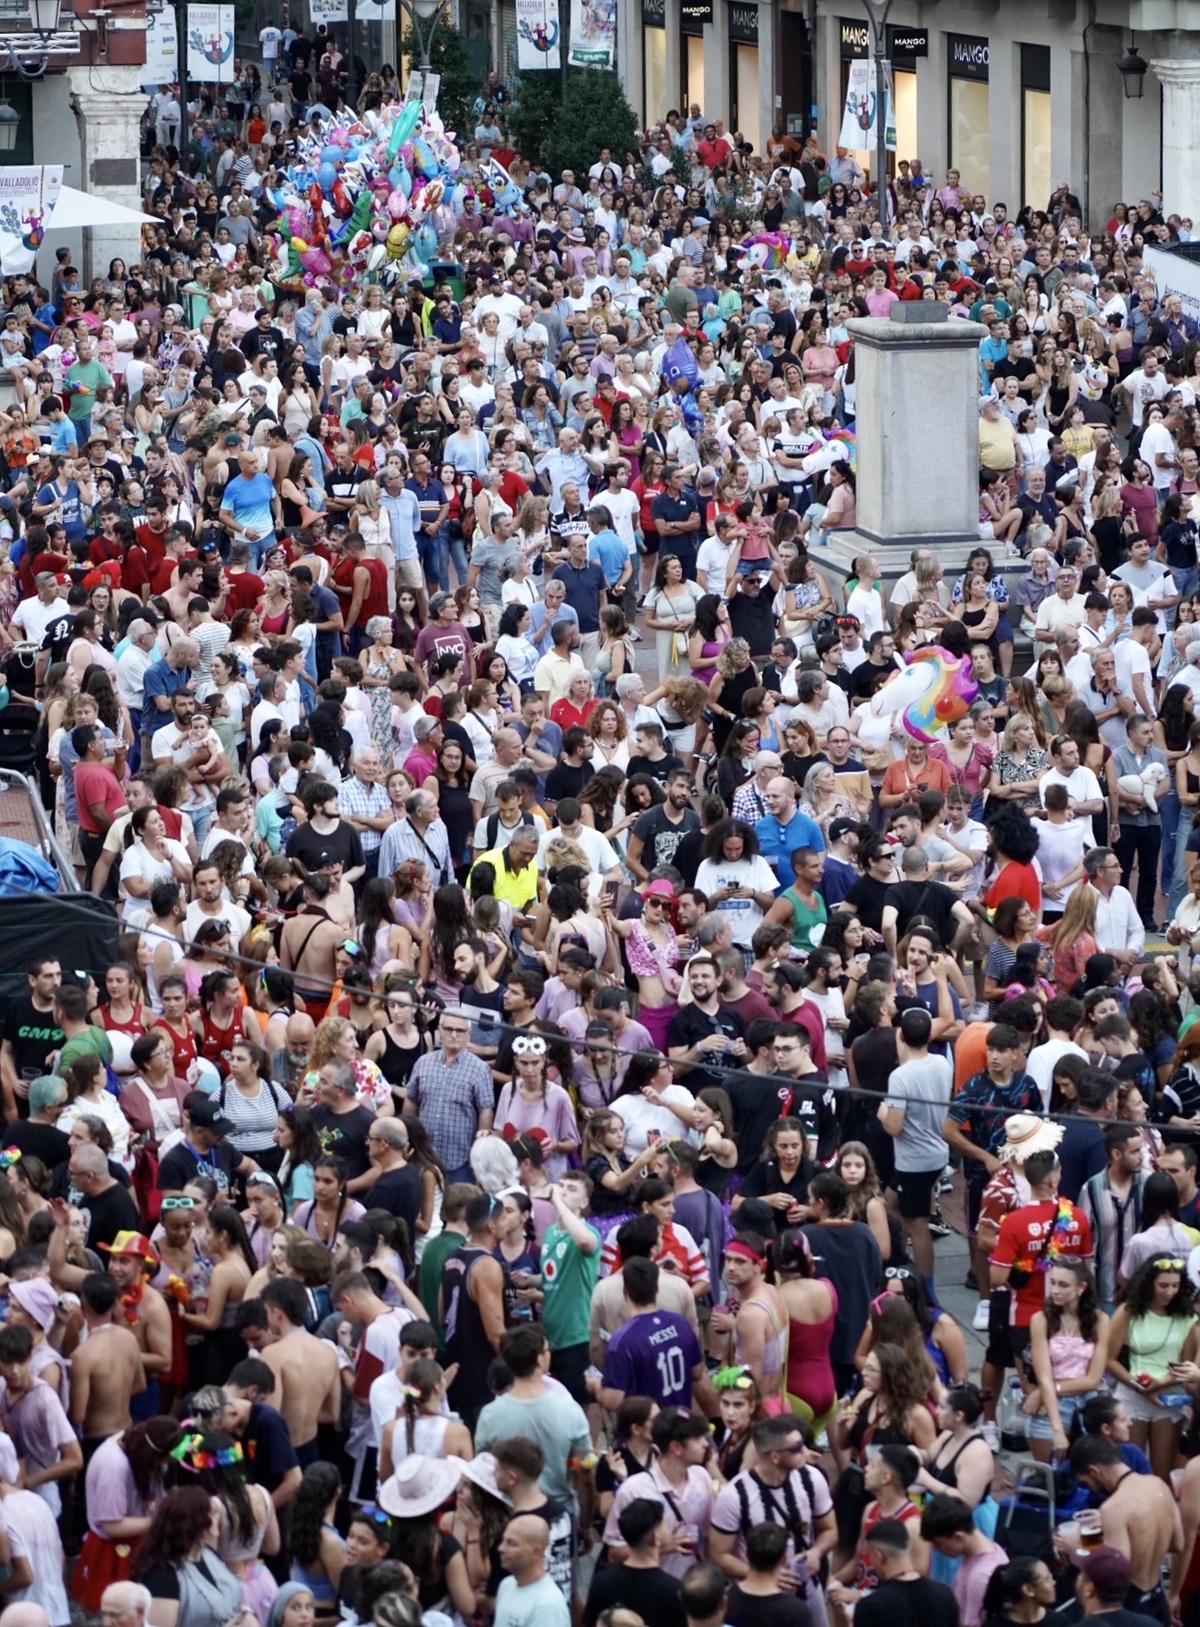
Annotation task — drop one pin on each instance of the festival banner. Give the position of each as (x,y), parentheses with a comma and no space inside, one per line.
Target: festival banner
(27,199)
(858,120)
(210,44)
(538,41)
(429,92)
(162,49)
(328,11)
(593,33)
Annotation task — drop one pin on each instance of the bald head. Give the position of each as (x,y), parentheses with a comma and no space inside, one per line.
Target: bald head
(523,1548)
(24,1615)
(125,1604)
(299,1033)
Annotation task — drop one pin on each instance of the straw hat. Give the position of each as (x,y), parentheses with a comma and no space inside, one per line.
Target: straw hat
(1025,1134)
(420,1485)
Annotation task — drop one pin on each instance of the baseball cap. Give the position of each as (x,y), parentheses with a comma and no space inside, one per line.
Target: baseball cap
(1106,1567)
(202,1111)
(840,827)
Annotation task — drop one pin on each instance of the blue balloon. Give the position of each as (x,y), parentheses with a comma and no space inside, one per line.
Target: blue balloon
(425,241)
(326,176)
(405,182)
(330,155)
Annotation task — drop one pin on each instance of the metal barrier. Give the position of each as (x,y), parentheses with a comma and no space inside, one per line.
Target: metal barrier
(23,819)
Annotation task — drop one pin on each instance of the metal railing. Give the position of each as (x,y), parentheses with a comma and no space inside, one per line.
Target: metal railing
(34,825)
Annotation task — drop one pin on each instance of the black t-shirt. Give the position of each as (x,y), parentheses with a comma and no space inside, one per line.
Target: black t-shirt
(923,1603)
(38,1141)
(660,771)
(565,781)
(33,1035)
(929,899)
(867,678)
(754,620)
(649,1593)
(163,1580)
(267,1444)
(689,1025)
(182,1165)
(345,1136)
(867,898)
(775,1610)
(60,1184)
(765,1177)
(399,1192)
(315,848)
(813,1103)
(847,1253)
(660,838)
(108,1213)
(758,1101)
(689,854)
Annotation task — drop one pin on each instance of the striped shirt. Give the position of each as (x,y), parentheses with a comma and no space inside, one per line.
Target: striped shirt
(403,841)
(359,801)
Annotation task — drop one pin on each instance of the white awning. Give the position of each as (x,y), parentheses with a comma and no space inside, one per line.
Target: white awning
(76,209)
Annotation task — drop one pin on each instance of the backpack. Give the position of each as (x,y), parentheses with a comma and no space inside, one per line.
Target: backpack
(492,828)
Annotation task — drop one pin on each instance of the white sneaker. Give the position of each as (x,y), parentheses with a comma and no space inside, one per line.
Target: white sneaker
(991,1435)
(983,1316)
(978,1012)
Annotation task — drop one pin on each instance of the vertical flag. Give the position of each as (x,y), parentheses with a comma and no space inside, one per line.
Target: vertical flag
(593,33)
(538,40)
(210,43)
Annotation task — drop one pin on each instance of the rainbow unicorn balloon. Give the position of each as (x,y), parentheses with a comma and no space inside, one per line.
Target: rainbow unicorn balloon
(767,250)
(934,691)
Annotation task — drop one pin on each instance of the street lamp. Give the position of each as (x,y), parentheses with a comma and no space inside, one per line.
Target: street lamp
(429,12)
(877,15)
(1132,68)
(44,17)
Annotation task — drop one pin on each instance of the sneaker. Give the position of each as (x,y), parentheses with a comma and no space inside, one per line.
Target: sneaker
(978,1012)
(981,1321)
(945,1185)
(990,1434)
(634,636)
(937,1225)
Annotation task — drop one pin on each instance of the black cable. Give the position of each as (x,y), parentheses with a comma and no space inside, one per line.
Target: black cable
(858,1093)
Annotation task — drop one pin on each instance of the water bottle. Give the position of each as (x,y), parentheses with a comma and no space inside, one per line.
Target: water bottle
(1011,1419)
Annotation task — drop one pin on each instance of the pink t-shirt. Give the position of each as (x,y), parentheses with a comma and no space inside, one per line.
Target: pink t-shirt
(970,1584)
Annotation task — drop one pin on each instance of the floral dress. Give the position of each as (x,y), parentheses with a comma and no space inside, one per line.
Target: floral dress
(380,701)
(1009,772)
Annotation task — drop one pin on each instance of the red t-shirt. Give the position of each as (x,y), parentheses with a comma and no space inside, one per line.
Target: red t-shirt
(1025,1235)
(245,590)
(1015,880)
(155,544)
(95,783)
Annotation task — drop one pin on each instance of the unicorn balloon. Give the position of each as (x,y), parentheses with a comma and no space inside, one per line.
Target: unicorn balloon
(934,690)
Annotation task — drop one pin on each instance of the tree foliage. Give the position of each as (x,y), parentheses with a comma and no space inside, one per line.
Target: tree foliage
(461,81)
(566,129)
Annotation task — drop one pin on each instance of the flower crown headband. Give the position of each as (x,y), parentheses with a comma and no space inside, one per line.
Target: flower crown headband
(9,1157)
(191,1454)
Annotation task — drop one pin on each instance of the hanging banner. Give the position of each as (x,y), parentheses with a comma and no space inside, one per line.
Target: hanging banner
(328,11)
(162,50)
(538,41)
(593,33)
(858,120)
(429,94)
(27,199)
(210,43)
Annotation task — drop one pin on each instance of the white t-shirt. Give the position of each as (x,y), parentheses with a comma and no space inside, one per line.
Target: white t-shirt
(640,1116)
(1158,439)
(867,605)
(238,918)
(269,39)
(32,617)
(1143,392)
(599,850)
(33,1535)
(1132,658)
(1081,786)
(744,915)
(713,561)
(624,508)
(139,863)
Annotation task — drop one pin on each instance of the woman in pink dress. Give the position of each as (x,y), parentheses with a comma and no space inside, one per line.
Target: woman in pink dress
(531,1104)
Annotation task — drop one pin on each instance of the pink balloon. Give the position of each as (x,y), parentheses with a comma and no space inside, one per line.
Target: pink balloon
(317,261)
(397,204)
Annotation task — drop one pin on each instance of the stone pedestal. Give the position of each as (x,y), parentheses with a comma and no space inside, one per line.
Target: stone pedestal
(1180,80)
(110,140)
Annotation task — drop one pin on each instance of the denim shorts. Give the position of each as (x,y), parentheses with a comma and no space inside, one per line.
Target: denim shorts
(1068,1406)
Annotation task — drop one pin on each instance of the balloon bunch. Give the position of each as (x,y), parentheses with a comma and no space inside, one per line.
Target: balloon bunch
(358,201)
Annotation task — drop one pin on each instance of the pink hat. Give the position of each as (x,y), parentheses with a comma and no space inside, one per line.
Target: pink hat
(37,1299)
(659,889)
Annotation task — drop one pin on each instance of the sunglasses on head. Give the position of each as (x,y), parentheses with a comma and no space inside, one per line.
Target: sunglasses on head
(176,1203)
(1168,1265)
(373,1514)
(897,1273)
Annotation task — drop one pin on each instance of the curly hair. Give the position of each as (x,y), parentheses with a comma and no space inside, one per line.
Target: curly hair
(1012,833)
(902,1386)
(893,1322)
(329,1031)
(729,656)
(320,1485)
(599,712)
(177,1525)
(1139,1294)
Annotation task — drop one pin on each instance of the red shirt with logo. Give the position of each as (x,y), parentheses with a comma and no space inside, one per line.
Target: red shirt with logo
(1025,1236)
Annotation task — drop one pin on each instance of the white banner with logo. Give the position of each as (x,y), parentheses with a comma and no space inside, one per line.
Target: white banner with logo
(27,199)
(210,44)
(328,11)
(162,50)
(539,43)
(859,125)
(593,33)
(1174,275)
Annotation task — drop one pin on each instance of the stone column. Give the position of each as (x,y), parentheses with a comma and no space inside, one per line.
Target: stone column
(674,63)
(917,391)
(109,137)
(1180,82)
(716,63)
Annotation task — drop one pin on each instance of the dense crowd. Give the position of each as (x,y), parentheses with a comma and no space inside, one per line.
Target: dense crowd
(498,1176)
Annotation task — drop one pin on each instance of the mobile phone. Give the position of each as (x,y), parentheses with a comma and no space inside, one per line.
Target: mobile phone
(611,889)
(653,1137)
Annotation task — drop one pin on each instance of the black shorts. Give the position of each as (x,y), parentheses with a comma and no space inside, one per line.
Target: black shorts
(649,542)
(975,1185)
(914,1188)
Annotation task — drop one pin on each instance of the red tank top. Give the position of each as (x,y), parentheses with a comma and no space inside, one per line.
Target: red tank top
(217,1042)
(134,1027)
(183,1050)
(376,601)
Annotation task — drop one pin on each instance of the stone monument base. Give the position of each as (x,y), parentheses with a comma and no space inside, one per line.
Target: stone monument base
(834,558)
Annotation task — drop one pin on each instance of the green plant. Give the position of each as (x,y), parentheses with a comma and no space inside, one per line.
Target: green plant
(593,113)
(460,76)
(535,98)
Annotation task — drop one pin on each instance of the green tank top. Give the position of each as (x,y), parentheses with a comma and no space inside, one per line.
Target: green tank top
(804,918)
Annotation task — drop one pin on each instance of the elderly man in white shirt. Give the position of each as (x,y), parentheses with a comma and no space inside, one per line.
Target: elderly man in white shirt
(1119,929)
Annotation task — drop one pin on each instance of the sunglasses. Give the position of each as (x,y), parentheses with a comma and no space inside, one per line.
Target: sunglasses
(373,1514)
(1168,1265)
(897,1273)
(176,1203)
(529,1046)
(349,947)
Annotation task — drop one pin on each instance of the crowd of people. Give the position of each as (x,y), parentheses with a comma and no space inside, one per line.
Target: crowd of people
(498,1176)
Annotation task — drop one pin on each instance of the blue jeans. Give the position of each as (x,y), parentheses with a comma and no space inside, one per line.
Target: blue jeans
(1186,582)
(201,819)
(447,548)
(1168,812)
